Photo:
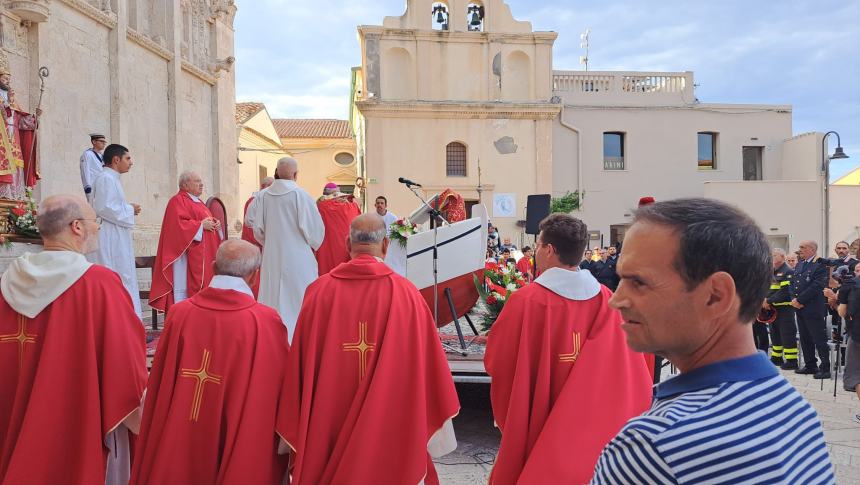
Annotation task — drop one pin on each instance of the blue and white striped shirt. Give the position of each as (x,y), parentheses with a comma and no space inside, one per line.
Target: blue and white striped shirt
(736,421)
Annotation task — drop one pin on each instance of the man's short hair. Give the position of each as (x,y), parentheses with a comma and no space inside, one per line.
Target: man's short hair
(360,236)
(778,251)
(227,263)
(56,219)
(113,150)
(383,199)
(527,248)
(567,234)
(186,177)
(714,236)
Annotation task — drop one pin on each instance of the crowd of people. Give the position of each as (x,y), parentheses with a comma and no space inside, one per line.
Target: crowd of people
(339,376)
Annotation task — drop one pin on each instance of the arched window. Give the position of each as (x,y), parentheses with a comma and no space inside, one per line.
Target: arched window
(455,159)
(439,20)
(475,17)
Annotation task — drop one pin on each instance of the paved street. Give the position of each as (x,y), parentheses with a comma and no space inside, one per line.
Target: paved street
(478,439)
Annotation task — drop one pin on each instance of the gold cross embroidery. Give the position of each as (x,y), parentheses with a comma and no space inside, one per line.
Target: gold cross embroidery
(577,345)
(202,376)
(362,347)
(22,338)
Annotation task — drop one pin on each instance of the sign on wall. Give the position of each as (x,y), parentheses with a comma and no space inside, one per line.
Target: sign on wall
(504,205)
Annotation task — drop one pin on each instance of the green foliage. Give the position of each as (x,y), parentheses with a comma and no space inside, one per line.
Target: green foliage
(567,203)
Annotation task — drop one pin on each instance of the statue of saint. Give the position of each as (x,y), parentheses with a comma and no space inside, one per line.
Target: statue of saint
(18,169)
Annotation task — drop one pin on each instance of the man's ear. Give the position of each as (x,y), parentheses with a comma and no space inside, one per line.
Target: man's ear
(721,294)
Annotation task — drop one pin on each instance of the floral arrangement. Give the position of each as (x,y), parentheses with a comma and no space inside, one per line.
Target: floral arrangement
(22,217)
(500,282)
(400,230)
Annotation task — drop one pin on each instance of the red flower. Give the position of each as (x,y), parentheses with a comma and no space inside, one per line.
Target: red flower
(492,300)
(19,210)
(399,222)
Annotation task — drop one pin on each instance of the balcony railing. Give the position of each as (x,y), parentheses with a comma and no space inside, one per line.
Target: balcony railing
(624,87)
(613,163)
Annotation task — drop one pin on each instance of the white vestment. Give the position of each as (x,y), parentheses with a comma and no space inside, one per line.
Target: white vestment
(287,223)
(115,248)
(91,167)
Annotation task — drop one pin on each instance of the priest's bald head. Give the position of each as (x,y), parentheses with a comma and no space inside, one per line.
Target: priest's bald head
(191,182)
(367,236)
(238,258)
(287,169)
(68,223)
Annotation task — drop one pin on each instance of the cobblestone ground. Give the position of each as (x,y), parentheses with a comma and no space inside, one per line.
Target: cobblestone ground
(478,439)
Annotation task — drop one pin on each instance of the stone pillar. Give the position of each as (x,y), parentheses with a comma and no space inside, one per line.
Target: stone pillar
(173,30)
(119,74)
(225,170)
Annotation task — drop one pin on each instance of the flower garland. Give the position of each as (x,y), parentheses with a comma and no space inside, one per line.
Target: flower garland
(500,282)
(22,217)
(400,230)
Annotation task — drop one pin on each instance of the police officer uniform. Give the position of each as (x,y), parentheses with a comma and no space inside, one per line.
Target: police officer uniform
(783,330)
(810,278)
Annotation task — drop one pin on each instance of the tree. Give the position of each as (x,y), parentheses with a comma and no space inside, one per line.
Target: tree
(566,204)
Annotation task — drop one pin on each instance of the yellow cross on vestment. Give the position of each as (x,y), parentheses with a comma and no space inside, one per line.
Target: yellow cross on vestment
(202,376)
(362,347)
(22,338)
(577,345)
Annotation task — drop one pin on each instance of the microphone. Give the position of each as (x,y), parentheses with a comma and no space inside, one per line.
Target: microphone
(408,182)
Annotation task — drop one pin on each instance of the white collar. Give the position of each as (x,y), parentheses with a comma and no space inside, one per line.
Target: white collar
(224,282)
(570,284)
(113,173)
(193,197)
(34,281)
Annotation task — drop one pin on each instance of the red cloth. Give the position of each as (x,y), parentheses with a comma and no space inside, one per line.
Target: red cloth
(336,421)
(337,213)
(463,292)
(28,126)
(526,266)
(248,235)
(182,220)
(557,412)
(83,373)
(452,206)
(243,345)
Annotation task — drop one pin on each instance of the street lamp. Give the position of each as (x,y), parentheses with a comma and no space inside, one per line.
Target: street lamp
(838,153)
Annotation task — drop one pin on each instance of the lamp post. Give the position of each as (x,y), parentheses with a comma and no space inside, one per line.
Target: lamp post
(838,153)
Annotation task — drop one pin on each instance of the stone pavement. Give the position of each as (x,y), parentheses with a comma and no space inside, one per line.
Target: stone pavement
(479,440)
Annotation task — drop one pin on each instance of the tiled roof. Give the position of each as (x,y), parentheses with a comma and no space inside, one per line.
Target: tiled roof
(244,111)
(294,128)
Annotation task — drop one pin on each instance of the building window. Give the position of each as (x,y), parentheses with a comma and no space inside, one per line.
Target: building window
(455,160)
(440,16)
(475,17)
(707,150)
(613,150)
(344,158)
(752,163)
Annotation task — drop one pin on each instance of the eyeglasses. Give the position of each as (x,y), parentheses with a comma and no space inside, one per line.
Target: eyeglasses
(97,220)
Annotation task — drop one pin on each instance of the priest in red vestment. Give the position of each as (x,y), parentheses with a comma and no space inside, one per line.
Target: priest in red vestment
(248,232)
(72,358)
(368,396)
(337,211)
(564,380)
(213,394)
(186,247)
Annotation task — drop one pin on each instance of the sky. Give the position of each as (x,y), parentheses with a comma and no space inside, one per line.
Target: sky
(295,55)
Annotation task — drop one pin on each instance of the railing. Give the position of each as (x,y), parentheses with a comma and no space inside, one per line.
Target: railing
(613,163)
(624,87)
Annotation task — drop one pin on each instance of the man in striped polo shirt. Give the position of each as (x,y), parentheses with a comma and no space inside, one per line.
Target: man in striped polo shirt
(693,274)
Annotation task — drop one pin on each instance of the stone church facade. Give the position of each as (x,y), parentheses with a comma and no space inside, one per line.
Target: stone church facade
(153,75)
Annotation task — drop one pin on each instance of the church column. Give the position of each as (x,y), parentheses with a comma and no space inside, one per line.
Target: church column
(225,170)
(119,74)
(174,74)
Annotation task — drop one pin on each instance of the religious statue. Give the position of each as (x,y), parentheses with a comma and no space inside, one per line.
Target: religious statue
(18,166)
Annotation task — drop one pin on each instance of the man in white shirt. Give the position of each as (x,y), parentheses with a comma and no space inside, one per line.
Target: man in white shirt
(389,217)
(92,164)
(117,214)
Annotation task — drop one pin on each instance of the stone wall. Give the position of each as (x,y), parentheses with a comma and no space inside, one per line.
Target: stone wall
(153,75)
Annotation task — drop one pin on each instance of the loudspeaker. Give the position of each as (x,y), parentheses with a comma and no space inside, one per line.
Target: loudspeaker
(537,209)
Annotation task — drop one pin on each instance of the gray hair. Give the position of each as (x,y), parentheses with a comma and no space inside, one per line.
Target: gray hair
(56,214)
(186,177)
(358,236)
(779,251)
(287,167)
(236,257)
(267,181)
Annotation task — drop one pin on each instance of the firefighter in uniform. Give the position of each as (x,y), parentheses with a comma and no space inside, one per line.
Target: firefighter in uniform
(810,278)
(783,330)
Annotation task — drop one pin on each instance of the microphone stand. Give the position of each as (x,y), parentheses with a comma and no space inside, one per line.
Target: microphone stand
(434,213)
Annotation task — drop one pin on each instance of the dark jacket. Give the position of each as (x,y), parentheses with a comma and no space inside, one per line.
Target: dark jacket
(780,287)
(808,285)
(605,272)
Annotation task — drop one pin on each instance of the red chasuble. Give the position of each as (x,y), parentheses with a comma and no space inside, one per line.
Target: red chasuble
(68,377)
(564,383)
(182,220)
(248,235)
(367,382)
(337,213)
(212,397)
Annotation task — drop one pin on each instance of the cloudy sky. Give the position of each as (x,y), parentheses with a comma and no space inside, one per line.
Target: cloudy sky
(296,55)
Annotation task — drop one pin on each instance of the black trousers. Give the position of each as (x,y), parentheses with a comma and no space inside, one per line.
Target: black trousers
(783,330)
(760,337)
(813,337)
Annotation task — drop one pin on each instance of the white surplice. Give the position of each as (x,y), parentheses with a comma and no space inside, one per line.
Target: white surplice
(115,248)
(288,224)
